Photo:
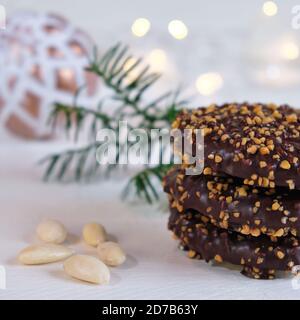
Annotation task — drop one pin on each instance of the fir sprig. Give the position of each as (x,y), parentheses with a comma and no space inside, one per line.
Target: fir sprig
(144,184)
(128,80)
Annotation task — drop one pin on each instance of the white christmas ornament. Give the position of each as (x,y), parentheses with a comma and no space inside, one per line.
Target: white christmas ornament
(42,61)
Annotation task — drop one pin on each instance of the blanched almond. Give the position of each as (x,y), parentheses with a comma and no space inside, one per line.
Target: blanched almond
(111,253)
(87,268)
(45,253)
(94,233)
(51,231)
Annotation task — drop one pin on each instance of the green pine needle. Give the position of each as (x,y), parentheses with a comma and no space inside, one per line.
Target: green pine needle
(128,86)
(145,183)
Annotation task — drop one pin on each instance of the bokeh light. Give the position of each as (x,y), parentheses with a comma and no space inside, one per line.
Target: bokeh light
(157,60)
(290,51)
(208,83)
(178,29)
(129,63)
(270,8)
(140,27)
(134,72)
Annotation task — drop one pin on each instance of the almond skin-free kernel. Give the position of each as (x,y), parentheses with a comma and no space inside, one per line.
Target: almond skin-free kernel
(111,253)
(87,268)
(94,233)
(51,231)
(45,253)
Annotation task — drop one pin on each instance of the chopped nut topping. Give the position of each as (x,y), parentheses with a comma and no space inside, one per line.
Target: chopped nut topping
(252,149)
(275,206)
(279,233)
(218,158)
(242,192)
(262,164)
(192,254)
(264,150)
(285,165)
(207,171)
(218,258)
(280,254)
(291,184)
(260,260)
(249,128)
(236,214)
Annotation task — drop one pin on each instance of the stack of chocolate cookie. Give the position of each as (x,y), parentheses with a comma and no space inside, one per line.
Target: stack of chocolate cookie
(245,207)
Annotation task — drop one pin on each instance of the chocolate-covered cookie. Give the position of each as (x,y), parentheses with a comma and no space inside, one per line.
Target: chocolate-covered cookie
(259,257)
(257,142)
(229,204)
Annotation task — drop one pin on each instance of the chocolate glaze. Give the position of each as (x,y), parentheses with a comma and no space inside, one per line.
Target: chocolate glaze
(218,199)
(260,126)
(259,257)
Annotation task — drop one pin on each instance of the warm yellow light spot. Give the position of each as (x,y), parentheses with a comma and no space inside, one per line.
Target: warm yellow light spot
(140,27)
(270,8)
(133,73)
(157,60)
(129,63)
(178,29)
(208,83)
(290,51)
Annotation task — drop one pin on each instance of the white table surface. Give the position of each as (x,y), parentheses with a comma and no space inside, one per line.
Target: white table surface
(155,268)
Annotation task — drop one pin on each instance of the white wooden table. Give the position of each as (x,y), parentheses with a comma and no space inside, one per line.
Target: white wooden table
(155,268)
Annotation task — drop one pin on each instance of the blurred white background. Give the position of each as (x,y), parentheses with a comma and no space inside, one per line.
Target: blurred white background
(230,51)
(252,56)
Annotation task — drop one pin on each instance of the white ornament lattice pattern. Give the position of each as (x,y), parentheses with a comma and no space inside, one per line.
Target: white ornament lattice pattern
(43,56)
